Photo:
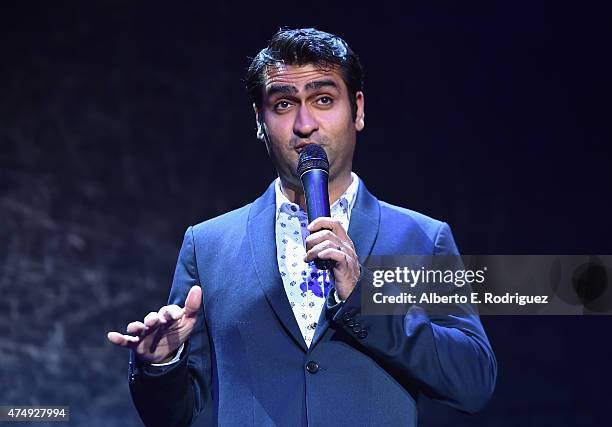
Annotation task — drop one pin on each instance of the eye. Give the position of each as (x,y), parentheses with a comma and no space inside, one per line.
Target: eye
(325,100)
(282,105)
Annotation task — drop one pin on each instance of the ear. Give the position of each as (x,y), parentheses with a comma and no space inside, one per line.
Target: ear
(259,122)
(360,116)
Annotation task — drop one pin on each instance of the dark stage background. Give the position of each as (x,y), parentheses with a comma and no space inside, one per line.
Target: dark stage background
(121,123)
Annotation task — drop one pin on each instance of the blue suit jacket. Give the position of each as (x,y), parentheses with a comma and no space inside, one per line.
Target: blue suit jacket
(246,363)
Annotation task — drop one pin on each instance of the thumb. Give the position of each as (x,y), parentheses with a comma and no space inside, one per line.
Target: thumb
(193,301)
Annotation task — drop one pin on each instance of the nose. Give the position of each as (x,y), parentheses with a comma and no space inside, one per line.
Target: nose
(305,124)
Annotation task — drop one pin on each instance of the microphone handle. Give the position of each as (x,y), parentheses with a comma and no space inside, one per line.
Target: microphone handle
(315,183)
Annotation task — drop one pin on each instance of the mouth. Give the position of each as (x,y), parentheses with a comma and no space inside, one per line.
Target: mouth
(300,146)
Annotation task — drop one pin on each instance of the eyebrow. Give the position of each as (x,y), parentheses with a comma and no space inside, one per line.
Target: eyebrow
(292,90)
(284,89)
(321,83)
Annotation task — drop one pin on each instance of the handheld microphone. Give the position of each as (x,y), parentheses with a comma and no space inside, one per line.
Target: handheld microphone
(313,169)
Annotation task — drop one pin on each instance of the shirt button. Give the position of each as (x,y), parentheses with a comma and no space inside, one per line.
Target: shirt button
(312,367)
(293,208)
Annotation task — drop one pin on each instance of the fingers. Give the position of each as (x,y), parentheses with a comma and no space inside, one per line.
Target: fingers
(170,313)
(313,253)
(335,254)
(321,236)
(330,224)
(122,340)
(325,228)
(151,320)
(193,302)
(327,239)
(135,328)
(164,318)
(154,320)
(134,331)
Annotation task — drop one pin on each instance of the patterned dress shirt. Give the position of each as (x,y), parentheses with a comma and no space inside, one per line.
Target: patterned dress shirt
(305,285)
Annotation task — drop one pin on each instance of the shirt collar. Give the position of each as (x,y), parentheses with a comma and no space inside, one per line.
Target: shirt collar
(347,199)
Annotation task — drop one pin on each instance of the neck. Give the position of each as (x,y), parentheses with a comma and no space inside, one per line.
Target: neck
(337,186)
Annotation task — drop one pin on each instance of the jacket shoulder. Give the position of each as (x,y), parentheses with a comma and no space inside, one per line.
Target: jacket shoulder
(398,215)
(221,225)
(398,224)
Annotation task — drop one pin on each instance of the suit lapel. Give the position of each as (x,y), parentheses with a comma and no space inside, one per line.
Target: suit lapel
(262,239)
(365,222)
(363,229)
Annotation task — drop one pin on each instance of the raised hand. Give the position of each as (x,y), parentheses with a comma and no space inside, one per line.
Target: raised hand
(156,339)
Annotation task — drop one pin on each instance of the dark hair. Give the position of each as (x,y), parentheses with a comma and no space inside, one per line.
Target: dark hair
(306,46)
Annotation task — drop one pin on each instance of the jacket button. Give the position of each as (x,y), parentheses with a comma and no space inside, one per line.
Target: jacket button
(356,329)
(350,323)
(362,334)
(347,316)
(312,367)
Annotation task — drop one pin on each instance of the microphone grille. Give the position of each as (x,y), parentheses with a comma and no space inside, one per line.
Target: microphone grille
(312,156)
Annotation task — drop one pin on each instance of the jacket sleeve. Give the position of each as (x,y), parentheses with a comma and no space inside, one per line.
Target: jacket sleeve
(174,395)
(447,357)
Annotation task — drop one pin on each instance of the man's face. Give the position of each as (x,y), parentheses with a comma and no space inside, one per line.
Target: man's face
(304,105)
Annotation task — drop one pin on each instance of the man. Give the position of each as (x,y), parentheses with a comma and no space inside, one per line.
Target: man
(254,334)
